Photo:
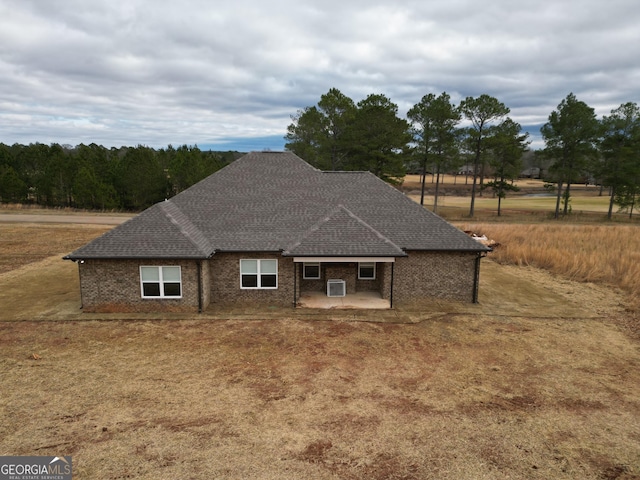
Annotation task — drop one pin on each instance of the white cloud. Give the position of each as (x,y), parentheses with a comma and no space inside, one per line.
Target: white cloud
(127,72)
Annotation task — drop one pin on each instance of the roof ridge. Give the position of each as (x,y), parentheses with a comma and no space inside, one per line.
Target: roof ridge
(312,228)
(380,235)
(327,218)
(186,226)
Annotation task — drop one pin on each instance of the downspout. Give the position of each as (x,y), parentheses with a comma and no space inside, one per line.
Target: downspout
(476,280)
(80,282)
(199,265)
(391,293)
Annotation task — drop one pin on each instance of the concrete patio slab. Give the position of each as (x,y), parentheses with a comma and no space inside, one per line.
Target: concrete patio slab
(360,300)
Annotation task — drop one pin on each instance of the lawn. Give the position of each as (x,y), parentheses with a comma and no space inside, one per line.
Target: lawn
(540,380)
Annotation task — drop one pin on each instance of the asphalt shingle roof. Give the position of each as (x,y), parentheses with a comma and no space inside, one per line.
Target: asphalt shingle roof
(274,201)
(341,233)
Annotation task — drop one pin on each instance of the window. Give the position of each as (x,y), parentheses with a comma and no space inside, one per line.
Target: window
(311,271)
(367,271)
(161,282)
(258,274)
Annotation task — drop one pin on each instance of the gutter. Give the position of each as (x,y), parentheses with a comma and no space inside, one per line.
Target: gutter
(82,258)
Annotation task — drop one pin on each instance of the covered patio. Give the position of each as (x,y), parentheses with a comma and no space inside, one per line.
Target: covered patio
(343,262)
(344,282)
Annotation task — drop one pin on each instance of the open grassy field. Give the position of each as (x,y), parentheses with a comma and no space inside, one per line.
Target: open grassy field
(547,203)
(540,380)
(533,203)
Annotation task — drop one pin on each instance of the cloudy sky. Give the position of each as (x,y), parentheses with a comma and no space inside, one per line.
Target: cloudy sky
(229,75)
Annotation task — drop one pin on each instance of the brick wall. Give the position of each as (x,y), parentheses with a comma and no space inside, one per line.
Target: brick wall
(383,272)
(206,283)
(448,275)
(342,271)
(225,281)
(374,285)
(316,285)
(114,286)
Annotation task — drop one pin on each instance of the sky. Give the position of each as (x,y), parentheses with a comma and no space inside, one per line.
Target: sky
(230,75)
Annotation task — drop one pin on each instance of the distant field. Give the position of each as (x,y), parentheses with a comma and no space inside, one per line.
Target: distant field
(413,181)
(547,203)
(532,203)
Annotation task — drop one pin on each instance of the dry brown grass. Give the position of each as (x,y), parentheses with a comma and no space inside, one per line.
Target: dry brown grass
(460,397)
(608,254)
(536,382)
(21,244)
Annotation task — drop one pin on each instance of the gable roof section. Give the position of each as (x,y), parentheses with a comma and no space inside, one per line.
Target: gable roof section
(163,231)
(275,201)
(341,233)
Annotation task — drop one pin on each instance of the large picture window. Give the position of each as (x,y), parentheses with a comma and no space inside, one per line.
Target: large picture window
(258,274)
(311,271)
(367,271)
(161,282)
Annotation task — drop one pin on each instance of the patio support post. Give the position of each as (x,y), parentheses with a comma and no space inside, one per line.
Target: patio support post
(199,266)
(295,283)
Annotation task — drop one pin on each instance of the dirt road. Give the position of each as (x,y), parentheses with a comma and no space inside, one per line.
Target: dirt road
(64,218)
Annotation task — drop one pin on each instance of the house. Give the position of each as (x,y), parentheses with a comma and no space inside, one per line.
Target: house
(466,169)
(266,229)
(531,172)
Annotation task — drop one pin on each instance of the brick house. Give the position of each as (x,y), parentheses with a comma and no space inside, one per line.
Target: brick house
(268,228)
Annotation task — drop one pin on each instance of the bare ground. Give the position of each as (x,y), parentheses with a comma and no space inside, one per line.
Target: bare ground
(541,380)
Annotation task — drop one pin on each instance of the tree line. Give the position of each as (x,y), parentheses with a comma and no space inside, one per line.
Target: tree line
(97,178)
(439,137)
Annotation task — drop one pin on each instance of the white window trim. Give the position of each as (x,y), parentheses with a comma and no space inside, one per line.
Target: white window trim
(304,271)
(374,270)
(161,280)
(259,287)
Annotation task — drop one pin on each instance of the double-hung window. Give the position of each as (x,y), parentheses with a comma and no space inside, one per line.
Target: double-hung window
(258,274)
(367,271)
(161,282)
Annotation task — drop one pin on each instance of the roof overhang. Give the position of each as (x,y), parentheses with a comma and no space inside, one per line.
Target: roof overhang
(82,258)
